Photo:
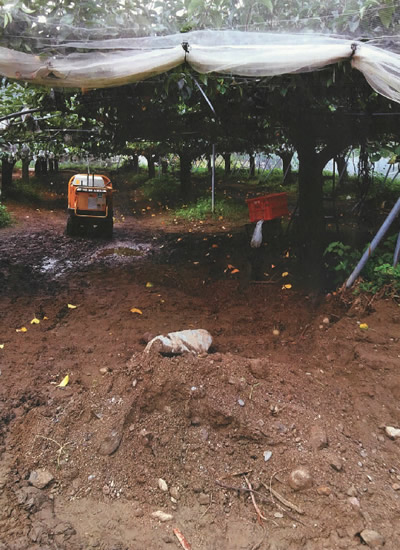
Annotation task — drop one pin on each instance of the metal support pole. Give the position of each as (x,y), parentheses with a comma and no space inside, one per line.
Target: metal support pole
(213,180)
(396,256)
(375,241)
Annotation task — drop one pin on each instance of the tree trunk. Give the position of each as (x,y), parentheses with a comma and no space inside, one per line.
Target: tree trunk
(56,165)
(25,170)
(43,168)
(151,166)
(311,216)
(209,164)
(185,174)
(6,173)
(342,166)
(38,167)
(164,166)
(286,167)
(227,160)
(252,165)
(51,165)
(135,164)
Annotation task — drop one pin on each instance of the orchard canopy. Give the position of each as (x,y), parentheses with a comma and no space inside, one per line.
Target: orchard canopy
(86,62)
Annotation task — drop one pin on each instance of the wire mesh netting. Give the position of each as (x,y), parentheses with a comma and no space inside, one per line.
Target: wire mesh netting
(94,45)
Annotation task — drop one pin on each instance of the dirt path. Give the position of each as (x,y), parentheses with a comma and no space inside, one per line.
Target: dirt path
(316,395)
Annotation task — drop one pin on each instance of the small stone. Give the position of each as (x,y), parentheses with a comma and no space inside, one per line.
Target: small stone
(241,402)
(396,487)
(204,434)
(393,433)
(174,492)
(324,491)
(134,383)
(138,513)
(336,463)
(326,320)
(372,538)
(300,479)
(104,370)
(162,484)
(267,455)
(204,500)
(106,490)
(40,478)
(110,444)
(162,516)
(352,492)
(354,502)
(195,421)
(318,438)
(278,515)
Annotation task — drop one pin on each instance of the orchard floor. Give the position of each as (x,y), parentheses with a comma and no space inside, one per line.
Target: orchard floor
(202,424)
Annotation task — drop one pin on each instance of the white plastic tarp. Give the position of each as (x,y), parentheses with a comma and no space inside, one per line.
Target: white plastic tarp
(120,61)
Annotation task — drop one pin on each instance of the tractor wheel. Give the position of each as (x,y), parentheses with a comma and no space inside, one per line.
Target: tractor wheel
(107,228)
(72,226)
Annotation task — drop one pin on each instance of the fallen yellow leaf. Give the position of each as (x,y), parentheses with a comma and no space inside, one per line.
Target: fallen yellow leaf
(234,271)
(70,306)
(363,326)
(285,274)
(45,318)
(1,346)
(136,310)
(22,329)
(63,382)
(286,286)
(149,285)
(35,321)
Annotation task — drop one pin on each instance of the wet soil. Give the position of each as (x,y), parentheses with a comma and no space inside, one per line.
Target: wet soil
(291,381)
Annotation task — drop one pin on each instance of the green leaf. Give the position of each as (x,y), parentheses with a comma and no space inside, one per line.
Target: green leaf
(268,4)
(386,15)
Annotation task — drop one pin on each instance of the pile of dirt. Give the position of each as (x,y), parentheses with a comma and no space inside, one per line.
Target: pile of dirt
(292,401)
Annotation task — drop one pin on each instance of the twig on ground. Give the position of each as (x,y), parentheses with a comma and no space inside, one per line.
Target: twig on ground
(60,447)
(257,509)
(283,500)
(257,545)
(183,542)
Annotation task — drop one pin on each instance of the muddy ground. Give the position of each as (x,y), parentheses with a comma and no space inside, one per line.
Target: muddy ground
(314,395)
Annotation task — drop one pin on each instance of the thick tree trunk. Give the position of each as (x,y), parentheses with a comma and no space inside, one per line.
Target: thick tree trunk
(51,165)
(25,170)
(38,167)
(311,226)
(252,165)
(286,167)
(56,165)
(185,174)
(151,166)
(43,166)
(164,166)
(135,164)
(227,160)
(6,173)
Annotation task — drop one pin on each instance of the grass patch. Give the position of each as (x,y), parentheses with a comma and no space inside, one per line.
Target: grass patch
(163,190)
(5,216)
(24,192)
(201,210)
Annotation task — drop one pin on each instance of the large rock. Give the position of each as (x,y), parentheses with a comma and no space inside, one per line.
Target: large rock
(300,479)
(192,341)
(373,539)
(40,478)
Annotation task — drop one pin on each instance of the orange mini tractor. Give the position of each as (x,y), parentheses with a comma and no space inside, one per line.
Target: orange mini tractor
(90,203)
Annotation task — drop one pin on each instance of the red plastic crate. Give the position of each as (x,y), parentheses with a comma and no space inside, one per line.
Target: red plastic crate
(268,207)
